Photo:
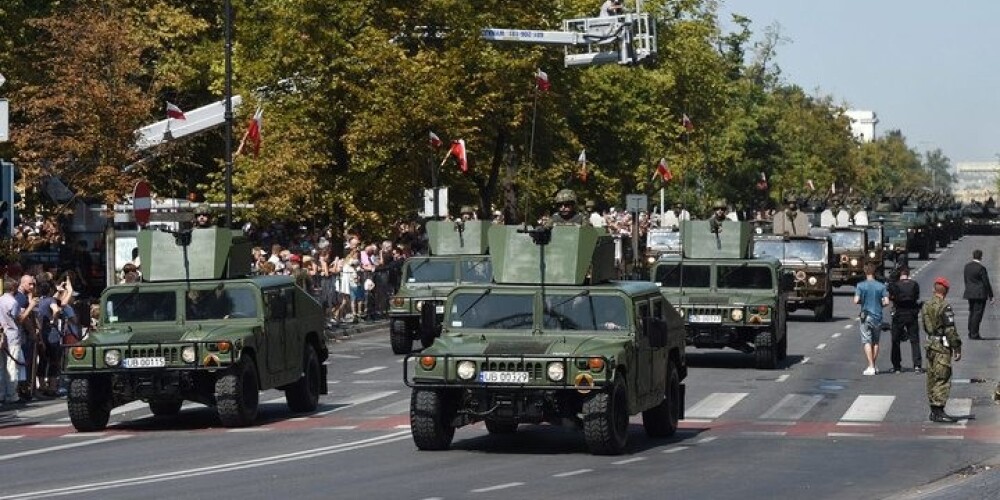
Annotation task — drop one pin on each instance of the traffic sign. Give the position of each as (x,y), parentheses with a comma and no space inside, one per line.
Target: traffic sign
(636,202)
(141,203)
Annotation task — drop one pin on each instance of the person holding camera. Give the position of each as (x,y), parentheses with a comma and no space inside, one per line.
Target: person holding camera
(872,296)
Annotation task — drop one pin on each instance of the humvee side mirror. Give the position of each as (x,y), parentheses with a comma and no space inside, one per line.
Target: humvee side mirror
(656,332)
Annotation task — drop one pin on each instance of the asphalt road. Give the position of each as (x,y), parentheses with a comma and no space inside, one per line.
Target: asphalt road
(815,428)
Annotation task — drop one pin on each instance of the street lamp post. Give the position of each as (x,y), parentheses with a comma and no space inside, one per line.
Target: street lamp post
(229,111)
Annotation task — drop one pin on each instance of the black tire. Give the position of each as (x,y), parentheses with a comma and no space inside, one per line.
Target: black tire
(303,395)
(500,427)
(605,419)
(237,393)
(165,407)
(428,324)
(431,414)
(765,351)
(661,420)
(783,343)
(89,404)
(399,337)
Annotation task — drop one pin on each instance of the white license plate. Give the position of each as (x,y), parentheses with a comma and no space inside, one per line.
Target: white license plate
(504,377)
(439,309)
(705,318)
(144,362)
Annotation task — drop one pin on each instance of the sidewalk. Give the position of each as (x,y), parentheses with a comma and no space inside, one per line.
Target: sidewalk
(343,331)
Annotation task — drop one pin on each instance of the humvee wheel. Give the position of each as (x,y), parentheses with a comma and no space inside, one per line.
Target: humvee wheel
(236,394)
(605,419)
(431,414)
(428,324)
(783,345)
(661,420)
(399,337)
(89,404)
(303,394)
(165,407)
(500,427)
(765,351)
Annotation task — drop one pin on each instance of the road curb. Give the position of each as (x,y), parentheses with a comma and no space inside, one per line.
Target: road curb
(347,330)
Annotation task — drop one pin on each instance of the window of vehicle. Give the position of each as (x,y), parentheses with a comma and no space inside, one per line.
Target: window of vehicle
(429,271)
(805,250)
(220,302)
(745,277)
(585,311)
(137,306)
(477,271)
(661,239)
(848,240)
(687,275)
(489,310)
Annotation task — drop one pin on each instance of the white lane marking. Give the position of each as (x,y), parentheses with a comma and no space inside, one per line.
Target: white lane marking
(10,438)
(714,405)
(376,381)
(848,327)
(629,461)
(42,411)
(402,406)
(495,488)
(202,471)
(39,451)
(249,429)
(835,335)
(848,434)
(51,426)
(370,370)
(341,428)
(84,434)
(821,347)
(356,400)
(804,360)
(275,400)
(944,437)
(676,449)
(573,473)
(782,377)
(960,407)
(333,381)
(403,426)
(704,440)
(792,407)
(133,406)
(961,381)
(345,356)
(868,408)
(764,433)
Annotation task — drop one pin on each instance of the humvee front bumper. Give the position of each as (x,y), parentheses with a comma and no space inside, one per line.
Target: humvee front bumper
(504,372)
(144,357)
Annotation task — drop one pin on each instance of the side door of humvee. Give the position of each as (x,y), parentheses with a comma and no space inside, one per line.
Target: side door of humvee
(277,305)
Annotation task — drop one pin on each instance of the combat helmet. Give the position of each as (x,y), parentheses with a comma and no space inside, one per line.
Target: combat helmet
(203,209)
(565,196)
(720,203)
(467,209)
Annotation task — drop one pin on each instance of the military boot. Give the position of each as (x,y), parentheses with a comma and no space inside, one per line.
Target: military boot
(938,415)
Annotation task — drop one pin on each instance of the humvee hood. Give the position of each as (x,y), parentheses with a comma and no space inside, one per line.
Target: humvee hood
(164,334)
(550,344)
(730,298)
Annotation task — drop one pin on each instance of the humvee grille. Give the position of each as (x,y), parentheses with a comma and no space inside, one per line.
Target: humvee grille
(518,346)
(703,310)
(534,369)
(170,354)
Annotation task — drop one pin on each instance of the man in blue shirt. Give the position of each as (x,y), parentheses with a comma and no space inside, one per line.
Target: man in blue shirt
(872,296)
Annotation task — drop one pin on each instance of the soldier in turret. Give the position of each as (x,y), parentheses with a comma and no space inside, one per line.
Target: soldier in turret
(566,213)
(203,216)
(943,346)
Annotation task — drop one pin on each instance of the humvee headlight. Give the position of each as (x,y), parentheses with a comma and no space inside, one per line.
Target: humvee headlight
(892,246)
(112,357)
(224,346)
(187,354)
(812,280)
(736,314)
(871,255)
(418,305)
(854,262)
(800,275)
(79,352)
(763,310)
(428,362)
(556,371)
(466,369)
(398,301)
(651,259)
(595,364)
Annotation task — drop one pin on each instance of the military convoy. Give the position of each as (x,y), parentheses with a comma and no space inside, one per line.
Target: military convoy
(198,328)
(458,255)
(553,339)
(726,297)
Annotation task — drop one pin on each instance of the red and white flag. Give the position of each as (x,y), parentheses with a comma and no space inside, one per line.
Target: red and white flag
(812,187)
(435,140)
(458,151)
(253,133)
(582,160)
(542,81)
(663,171)
(174,111)
(687,123)
(762,182)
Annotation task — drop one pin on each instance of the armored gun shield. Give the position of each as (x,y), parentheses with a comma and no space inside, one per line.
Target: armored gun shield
(212,253)
(570,255)
(458,237)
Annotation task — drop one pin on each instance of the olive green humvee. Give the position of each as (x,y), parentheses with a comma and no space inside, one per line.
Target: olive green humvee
(850,253)
(458,255)
(726,297)
(199,328)
(553,340)
(806,261)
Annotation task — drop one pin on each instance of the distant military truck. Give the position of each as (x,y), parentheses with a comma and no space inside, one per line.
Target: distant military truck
(553,340)
(662,241)
(458,255)
(726,297)
(198,328)
(807,260)
(850,246)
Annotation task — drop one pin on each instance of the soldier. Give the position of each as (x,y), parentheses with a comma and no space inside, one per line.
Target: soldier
(943,346)
(566,213)
(203,216)
(468,213)
(905,297)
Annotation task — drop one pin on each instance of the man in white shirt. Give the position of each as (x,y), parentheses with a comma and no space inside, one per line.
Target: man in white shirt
(10,344)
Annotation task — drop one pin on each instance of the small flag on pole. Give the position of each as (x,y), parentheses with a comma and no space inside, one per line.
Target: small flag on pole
(435,140)
(663,171)
(582,160)
(688,124)
(762,182)
(542,81)
(174,111)
(812,187)
(457,150)
(253,133)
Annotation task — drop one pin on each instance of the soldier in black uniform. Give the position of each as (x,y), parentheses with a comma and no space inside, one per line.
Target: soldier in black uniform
(905,296)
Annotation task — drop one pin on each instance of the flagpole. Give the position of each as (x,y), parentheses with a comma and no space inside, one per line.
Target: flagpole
(229,112)
(531,147)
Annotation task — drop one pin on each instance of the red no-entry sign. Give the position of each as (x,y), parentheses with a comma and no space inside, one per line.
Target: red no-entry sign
(141,203)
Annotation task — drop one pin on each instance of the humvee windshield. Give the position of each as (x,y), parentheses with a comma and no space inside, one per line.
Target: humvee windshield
(490,310)
(135,306)
(669,241)
(429,271)
(795,251)
(688,275)
(745,277)
(848,240)
(220,303)
(872,234)
(584,311)
(477,271)
(895,233)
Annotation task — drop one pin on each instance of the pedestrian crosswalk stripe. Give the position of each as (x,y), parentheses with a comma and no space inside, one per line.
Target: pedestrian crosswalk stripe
(134,405)
(959,407)
(356,400)
(792,407)
(867,408)
(714,405)
(42,411)
(370,370)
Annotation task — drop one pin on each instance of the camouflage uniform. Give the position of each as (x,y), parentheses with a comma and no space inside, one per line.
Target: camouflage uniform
(577,219)
(942,342)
